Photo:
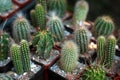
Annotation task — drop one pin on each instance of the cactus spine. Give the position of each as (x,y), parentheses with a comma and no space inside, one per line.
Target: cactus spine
(40,16)
(44,4)
(80,12)
(4,46)
(5,77)
(110,51)
(24,47)
(82,40)
(57,6)
(33,18)
(56,28)
(104,26)
(101,49)
(45,44)
(21,29)
(69,56)
(16,57)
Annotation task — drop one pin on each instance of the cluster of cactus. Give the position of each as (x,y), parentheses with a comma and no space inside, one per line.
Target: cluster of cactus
(5,5)
(21,29)
(44,44)
(81,39)
(104,26)
(56,28)
(21,57)
(4,46)
(69,56)
(94,73)
(5,77)
(80,12)
(57,6)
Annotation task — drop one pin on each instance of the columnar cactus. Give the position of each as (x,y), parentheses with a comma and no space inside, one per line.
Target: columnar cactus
(110,51)
(57,6)
(104,26)
(94,73)
(5,77)
(5,5)
(4,46)
(33,18)
(69,56)
(43,3)
(81,39)
(25,52)
(40,16)
(56,28)
(80,12)
(16,57)
(45,44)
(21,29)
(101,49)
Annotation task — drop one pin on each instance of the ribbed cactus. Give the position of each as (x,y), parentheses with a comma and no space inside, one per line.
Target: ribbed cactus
(110,51)
(33,18)
(80,12)
(56,28)
(40,16)
(104,26)
(101,49)
(57,6)
(36,38)
(5,77)
(16,57)
(5,5)
(94,73)
(69,56)
(4,46)
(81,39)
(45,44)
(44,4)
(21,29)
(25,52)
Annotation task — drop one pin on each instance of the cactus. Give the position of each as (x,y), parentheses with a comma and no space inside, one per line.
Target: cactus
(33,18)
(101,49)
(81,39)
(56,28)
(104,26)
(4,46)
(43,3)
(94,73)
(36,39)
(21,29)
(45,44)
(110,51)
(5,77)
(16,57)
(5,5)
(40,16)
(80,12)
(69,56)
(24,47)
(57,6)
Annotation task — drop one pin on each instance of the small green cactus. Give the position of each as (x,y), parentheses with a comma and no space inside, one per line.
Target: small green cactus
(5,77)
(56,28)
(104,26)
(40,16)
(44,4)
(4,46)
(101,49)
(110,51)
(80,12)
(16,57)
(45,44)
(21,29)
(57,6)
(5,5)
(25,54)
(94,73)
(33,18)
(36,38)
(81,39)
(69,56)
